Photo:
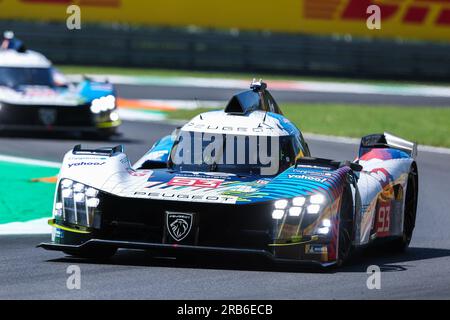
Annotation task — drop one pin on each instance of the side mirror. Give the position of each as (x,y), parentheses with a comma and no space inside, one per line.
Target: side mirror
(356,167)
(353,165)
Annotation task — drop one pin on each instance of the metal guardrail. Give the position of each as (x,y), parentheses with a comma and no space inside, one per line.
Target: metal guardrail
(244,51)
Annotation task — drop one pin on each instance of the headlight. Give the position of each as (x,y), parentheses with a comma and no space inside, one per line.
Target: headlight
(295,207)
(277,214)
(313,209)
(323,230)
(114,116)
(281,204)
(299,201)
(295,211)
(103,104)
(77,204)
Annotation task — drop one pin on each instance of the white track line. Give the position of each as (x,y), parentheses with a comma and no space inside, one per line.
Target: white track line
(39,226)
(288,85)
(32,162)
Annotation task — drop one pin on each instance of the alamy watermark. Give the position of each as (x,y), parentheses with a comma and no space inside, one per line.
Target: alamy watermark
(198,148)
(74,280)
(73,21)
(374,20)
(374,279)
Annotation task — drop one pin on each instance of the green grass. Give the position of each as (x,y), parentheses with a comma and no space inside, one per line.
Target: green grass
(425,125)
(20,199)
(227,75)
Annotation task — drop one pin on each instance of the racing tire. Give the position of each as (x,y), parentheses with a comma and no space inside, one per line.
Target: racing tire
(94,253)
(409,221)
(345,245)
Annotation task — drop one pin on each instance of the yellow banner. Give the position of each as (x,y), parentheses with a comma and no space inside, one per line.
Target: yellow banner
(410,19)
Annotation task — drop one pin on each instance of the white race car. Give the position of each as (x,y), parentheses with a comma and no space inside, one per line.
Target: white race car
(35,96)
(184,198)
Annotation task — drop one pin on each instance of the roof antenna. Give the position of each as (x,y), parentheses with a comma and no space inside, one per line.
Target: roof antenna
(198,106)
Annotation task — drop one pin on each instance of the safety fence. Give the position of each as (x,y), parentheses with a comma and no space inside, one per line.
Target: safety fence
(203,49)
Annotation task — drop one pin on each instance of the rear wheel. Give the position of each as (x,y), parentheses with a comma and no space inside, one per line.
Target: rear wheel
(409,211)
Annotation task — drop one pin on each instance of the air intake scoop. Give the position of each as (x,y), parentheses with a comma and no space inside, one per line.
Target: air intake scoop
(244,103)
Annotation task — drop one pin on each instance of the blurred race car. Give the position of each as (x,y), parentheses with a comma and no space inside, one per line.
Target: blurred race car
(304,209)
(35,96)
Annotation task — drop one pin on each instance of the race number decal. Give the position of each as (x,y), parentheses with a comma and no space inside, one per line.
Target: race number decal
(384,219)
(195,182)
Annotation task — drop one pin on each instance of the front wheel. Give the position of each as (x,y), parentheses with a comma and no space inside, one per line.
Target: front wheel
(345,228)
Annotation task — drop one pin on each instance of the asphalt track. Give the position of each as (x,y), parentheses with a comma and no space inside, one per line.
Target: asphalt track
(422,272)
(220,94)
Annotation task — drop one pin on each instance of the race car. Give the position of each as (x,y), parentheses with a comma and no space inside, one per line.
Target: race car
(35,96)
(209,188)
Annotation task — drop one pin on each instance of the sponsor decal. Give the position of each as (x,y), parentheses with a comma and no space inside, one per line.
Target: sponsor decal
(243,189)
(37,91)
(229,129)
(383,219)
(82,164)
(305,177)
(212,175)
(84,158)
(195,182)
(140,173)
(382,176)
(172,196)
(179,224)
(313,173)
(312,167)
(315,249)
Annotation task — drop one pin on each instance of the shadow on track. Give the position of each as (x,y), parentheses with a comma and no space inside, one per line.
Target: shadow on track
(388,262)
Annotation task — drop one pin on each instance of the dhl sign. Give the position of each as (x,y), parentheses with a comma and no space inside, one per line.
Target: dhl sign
(410,19)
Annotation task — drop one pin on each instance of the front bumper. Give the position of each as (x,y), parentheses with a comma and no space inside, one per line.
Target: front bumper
(54,118)
(81,240)
(174,249)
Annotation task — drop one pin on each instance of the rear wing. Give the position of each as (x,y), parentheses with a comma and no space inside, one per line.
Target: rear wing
(387,140)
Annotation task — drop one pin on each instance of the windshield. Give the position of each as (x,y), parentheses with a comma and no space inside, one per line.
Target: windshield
(239,154)
(15,77)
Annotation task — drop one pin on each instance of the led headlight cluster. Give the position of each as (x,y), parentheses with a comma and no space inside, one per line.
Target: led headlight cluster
(295,207)
(77,204)
(325,227)
(103,104)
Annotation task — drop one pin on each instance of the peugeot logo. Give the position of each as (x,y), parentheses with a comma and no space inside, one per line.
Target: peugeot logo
(179,224)
(47,116)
